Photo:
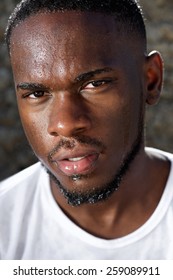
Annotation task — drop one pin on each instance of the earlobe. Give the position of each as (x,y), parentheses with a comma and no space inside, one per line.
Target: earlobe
(154,77)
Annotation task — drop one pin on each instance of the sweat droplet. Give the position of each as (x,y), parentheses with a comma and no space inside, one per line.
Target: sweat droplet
(76,177)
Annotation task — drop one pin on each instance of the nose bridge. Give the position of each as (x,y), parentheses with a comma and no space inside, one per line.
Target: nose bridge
(68,116)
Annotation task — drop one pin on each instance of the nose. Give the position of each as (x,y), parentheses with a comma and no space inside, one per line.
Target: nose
(68,116)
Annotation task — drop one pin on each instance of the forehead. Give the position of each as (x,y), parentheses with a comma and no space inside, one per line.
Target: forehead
(62,26)
(68,40)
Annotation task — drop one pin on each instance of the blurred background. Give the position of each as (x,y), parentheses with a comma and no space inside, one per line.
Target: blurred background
(15,153)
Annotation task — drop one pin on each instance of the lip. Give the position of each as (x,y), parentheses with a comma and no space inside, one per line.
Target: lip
(80,162)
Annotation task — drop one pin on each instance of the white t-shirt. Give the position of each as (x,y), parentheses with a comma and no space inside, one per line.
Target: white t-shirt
(32,226)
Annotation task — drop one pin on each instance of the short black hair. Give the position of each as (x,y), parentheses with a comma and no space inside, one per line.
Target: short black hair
(127,12)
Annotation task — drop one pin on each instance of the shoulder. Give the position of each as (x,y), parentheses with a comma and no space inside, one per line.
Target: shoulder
(18,193)
(19,198)
(20,180)
(159,153)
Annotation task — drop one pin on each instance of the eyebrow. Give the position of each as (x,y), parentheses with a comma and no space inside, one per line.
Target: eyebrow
(88,75)
(80,78)
(30,86)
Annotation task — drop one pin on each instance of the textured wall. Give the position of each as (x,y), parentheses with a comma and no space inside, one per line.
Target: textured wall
(15,153)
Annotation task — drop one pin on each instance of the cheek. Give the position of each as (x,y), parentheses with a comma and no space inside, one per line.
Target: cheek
(110,119)
(35,129)
(121,121)
(132,119)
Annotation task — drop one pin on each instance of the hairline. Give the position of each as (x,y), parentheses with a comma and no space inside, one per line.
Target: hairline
(133,32)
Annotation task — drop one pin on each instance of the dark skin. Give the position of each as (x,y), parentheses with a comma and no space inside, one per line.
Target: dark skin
(50,55)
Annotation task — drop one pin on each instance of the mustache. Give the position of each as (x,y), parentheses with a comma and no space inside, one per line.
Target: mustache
(71,143)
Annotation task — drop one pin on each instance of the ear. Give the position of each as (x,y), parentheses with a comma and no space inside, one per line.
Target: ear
(154,77)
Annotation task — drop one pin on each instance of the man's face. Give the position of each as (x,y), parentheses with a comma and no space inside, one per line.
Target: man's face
(79,86)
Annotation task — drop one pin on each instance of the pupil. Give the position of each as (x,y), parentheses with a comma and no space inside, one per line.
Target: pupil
(38,93)
(98,83)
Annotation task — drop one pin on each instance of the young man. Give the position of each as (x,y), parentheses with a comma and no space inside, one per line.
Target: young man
(83,77)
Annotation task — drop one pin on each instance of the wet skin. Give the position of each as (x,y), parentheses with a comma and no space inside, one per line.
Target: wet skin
(77,78)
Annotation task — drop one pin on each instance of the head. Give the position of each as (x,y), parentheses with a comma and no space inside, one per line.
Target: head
(83,77)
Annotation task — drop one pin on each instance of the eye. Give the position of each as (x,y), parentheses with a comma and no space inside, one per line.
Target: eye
(97,84)
(36,94)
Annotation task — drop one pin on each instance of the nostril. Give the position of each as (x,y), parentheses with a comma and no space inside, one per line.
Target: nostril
(80,129)
(54,133)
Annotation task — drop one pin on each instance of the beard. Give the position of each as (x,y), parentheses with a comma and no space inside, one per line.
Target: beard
(99,193)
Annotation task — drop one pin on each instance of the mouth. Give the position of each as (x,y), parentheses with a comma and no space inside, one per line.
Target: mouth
(80,164)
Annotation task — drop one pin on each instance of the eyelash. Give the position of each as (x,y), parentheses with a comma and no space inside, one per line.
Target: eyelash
(39,92)
(98,83)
